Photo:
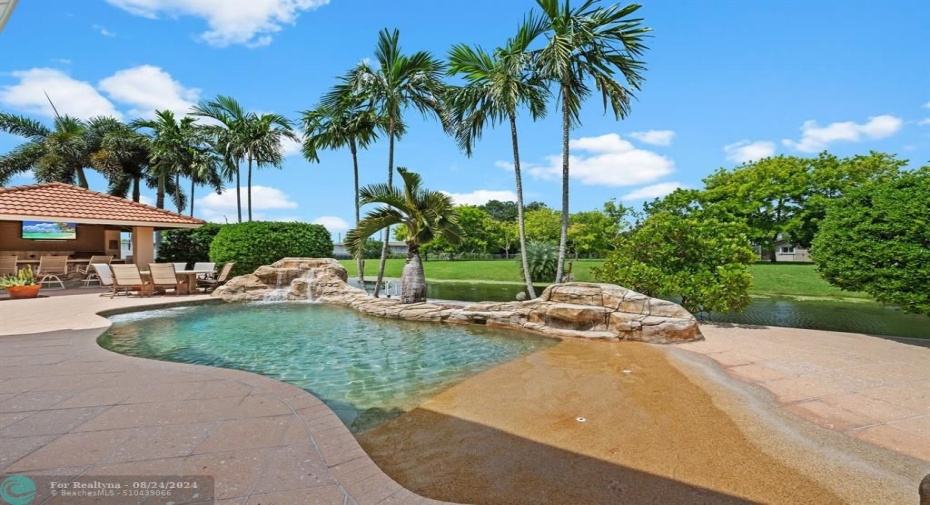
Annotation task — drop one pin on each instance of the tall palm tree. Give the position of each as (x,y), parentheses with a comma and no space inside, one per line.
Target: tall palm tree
(263,144)
(172,149)
(497,85)
(230,135)
(426,215)
(205,170)
(589,43)
(59,154)
(346,124)
(396,83)
(123,156)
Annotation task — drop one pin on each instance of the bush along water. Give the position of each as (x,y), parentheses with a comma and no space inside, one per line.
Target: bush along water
(258,243)
(541,258)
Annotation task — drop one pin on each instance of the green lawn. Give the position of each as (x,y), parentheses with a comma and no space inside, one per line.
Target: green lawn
(783,279)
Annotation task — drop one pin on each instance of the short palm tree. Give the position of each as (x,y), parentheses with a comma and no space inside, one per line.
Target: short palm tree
(396,83)
(425,214)
(350,124)
(55,155)
(263,144)
(172,147)
(497,85)
(123,156)
(589,43)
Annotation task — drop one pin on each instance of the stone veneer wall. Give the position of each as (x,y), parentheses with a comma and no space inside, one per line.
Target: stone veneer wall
(575,309)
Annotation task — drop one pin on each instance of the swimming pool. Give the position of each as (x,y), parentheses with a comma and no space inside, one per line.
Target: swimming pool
(366,369)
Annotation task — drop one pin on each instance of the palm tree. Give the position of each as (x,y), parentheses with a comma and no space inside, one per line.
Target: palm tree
(398,82)
(55,155)
(172,151)
(122,156)
(589,43)
(496,87)
(348,124)
(262,145)
(426,215)
(229,136)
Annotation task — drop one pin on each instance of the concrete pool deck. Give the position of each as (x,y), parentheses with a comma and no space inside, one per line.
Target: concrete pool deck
(69,407)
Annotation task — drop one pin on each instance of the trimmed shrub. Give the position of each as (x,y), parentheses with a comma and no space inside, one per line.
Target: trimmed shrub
(542,258)
(258,243)
(189,246)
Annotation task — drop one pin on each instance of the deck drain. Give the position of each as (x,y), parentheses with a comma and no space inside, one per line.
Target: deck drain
(580,419)
(628,371)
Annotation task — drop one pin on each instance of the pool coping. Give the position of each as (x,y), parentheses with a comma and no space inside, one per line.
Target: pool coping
(71,407)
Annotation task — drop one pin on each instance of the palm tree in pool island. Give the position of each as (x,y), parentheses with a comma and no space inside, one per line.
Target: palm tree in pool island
(396,83)
(424,213)
(589,43)
(496,86)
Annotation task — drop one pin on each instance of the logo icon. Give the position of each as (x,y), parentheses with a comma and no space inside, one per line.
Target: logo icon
(17,490)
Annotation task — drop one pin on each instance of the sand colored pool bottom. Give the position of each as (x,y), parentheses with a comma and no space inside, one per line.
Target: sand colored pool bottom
(586,422)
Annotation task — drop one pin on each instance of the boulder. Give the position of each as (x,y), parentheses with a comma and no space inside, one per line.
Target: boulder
(570,310)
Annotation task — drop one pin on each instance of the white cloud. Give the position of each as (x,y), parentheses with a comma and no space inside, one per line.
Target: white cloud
(927,105)
(332,223)
(147,200)
(613,162)
(71,96)
(924,122)
(654,137)
(219,207)
(482,196)
(291,147)
(650,192)
(816,138)
(248,22)
(103,31)
(506,165)
(146,88)
(745,151)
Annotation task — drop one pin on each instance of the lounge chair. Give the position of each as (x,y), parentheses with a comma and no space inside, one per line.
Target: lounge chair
(127,278)
(211,284)
(88,271)
(164,277)
(50,267)
(205,266)
(105,276)
(7,265)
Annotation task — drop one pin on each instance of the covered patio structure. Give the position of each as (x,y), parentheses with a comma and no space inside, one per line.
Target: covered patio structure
(91,223)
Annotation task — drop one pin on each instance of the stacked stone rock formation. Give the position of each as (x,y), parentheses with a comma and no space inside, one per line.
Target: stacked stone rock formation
(576,309)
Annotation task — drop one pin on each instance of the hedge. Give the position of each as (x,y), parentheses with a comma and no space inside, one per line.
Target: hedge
(258,243)
(189,246)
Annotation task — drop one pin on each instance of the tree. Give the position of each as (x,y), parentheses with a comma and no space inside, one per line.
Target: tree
(543,225)
(397,82)
(594,232)
(481,233)
(123,156)
(496,86)
(504,212)
(55,155)
(345,123)
(263,144)
(589,43)
(425,214)
(876,239)
(230,136)
(172,150)
(705,262)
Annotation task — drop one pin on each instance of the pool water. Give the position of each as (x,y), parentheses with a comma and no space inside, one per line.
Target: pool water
(366,369)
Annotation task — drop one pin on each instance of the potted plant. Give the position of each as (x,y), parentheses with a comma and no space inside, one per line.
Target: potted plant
(21,285)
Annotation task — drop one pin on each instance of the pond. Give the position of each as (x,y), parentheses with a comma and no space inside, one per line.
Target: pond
(366,369)
(819,314)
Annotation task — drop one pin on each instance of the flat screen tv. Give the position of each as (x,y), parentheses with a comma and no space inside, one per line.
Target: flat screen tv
(49,230)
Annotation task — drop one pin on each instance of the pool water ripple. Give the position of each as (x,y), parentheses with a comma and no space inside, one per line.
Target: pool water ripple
(366,369)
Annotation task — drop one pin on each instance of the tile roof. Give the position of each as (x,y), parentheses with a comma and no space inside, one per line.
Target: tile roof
(61,201)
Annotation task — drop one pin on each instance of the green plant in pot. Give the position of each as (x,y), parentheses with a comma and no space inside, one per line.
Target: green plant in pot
(21,285)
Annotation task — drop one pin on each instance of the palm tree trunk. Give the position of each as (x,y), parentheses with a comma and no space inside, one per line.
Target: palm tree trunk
(177,191)
(192,196)
(530,290)
(564,236)
(358,216)
(82,179)
(387,230)
(160,203)
(136,193)
(249,186)
(413,280)
(238,193)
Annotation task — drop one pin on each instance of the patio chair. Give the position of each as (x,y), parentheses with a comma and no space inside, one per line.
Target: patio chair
(164,277)
(128,278)
(211,284)
(179,266)
(50,267)
(104,276)
(90,275)
(7,265)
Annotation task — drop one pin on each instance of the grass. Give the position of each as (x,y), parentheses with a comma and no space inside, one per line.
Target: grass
(781,279)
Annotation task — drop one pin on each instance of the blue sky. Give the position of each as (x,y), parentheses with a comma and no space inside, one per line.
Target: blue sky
(728,81)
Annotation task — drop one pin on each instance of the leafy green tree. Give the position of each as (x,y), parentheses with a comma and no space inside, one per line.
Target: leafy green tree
(542,225)
(496,87)
(481,233)
(397,82)
(704,262)
(189,246)
(344,123)
(424,213)
(501,211)
(876,238)
(589,44)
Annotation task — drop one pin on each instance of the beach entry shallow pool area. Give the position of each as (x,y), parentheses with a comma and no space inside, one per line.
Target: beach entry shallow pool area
(366,369)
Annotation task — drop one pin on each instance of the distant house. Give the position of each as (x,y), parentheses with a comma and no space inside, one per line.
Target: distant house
(394,248)
(785,252)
